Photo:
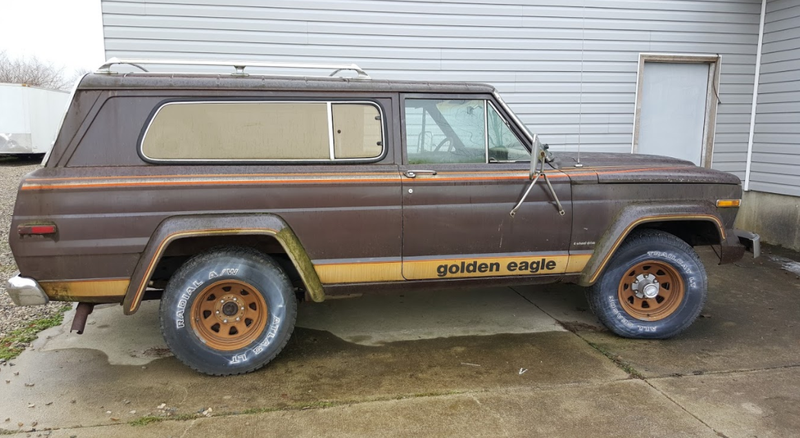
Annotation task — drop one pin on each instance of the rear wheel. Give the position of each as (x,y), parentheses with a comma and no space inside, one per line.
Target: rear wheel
(229,314)
(228,311)
(654,287)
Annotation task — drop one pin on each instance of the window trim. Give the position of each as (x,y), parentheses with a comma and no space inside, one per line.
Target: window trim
(331,148)
(486,129)
(329,104)
(508,125)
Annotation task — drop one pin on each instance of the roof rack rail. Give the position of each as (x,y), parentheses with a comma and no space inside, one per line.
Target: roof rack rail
(238,66)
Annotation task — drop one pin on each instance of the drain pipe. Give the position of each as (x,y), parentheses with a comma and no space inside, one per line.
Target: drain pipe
(755,97)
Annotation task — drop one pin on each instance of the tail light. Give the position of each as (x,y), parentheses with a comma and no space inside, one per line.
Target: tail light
(36,229)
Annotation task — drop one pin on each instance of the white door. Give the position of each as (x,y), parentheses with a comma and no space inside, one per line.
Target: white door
(673,110)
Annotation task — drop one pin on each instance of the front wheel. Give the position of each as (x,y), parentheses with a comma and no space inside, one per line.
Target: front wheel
(654,287)
(228,311)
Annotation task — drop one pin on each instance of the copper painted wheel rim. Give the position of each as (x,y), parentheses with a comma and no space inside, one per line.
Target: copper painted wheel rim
(229,315)
(651,290)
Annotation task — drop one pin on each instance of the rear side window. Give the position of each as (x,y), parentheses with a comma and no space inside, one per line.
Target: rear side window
(264,131)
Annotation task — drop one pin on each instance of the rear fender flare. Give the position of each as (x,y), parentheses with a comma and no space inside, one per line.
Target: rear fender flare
(180,227)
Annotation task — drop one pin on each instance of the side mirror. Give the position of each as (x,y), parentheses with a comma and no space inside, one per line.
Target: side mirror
(539,155)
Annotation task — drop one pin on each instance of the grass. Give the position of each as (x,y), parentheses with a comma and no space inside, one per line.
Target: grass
(15,342)
(302,406)
(151,419)
(297,407)
(625,366)
(144,421)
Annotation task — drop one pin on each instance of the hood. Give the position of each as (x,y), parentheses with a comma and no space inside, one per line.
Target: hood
(638,168)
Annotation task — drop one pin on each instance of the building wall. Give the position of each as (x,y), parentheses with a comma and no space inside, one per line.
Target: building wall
(775,164)
(567,68)
(776,218)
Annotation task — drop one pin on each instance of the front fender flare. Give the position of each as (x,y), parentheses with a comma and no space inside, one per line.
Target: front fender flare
(634,215)
(179,227)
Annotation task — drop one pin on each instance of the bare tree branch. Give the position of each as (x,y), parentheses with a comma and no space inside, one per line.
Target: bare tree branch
(32,71)
(78,74)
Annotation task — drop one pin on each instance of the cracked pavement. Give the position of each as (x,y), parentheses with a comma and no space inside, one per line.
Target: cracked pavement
(438,364)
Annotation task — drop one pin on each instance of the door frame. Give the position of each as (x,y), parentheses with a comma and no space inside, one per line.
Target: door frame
(474,176)
(712,97)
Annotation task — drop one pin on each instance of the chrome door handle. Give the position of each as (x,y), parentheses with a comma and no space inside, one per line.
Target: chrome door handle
(414,173)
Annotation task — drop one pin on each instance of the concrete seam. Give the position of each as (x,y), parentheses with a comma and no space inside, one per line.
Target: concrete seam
(188,427)
(727,372)
(472,394)
(543,311)
(632,372)
(685,410)
(499,418)
(718,433)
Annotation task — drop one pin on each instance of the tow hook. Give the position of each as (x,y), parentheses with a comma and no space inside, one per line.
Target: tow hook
(81,313)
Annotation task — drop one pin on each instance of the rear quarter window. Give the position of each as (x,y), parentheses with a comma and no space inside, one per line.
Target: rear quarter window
(264,131)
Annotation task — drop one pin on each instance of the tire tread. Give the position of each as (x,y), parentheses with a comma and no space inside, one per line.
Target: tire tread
(594,295)
(236,252)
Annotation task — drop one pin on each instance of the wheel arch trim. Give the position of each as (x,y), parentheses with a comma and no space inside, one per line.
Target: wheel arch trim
(634,216)
(181,227)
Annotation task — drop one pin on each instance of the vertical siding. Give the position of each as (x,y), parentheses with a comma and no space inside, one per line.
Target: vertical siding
(776,145)
(568,68)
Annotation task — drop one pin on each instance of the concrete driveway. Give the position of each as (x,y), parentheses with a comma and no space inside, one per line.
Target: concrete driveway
(487,362)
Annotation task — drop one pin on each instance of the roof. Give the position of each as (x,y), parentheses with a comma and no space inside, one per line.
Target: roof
(301,83)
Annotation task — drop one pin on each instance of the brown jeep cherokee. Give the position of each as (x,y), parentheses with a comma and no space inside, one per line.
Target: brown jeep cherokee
(228,196)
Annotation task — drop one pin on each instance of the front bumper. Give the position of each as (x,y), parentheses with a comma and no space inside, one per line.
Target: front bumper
(751,241)
(25,291)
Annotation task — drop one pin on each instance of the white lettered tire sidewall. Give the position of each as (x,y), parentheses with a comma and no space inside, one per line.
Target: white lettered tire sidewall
(240,264)
(646,246)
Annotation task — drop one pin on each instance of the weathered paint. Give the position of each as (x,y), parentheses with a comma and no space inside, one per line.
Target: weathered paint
(444,267)
(182,227)
(89,291)
(361,224)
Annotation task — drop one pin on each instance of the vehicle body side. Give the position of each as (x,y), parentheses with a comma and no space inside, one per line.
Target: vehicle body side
(124,223)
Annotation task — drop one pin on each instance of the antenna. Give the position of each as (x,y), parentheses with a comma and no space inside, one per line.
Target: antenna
(580,101)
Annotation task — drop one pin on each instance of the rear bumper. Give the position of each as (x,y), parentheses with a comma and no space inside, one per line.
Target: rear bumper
(751,241)
(25,291)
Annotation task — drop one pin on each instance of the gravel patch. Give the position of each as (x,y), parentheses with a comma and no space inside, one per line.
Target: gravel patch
(12,317)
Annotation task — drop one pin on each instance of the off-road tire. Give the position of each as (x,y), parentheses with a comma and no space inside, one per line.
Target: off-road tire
(232,272)
(650,249)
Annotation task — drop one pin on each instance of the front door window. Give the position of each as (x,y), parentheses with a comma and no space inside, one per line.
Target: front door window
(459,131)
(446,131)
(503,144)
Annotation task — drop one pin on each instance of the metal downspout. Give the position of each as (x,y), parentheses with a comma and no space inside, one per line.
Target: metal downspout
(755,97)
